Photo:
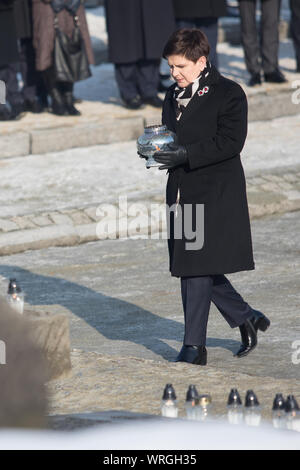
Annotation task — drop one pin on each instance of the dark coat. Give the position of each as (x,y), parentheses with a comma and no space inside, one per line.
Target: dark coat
(138,29)
(43,31)
(8,35)
(199,8)
(213,129)
(23,18)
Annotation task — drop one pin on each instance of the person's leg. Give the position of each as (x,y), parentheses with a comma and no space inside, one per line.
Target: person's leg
(238,313)
(229,302)
(196,295)
(295,29)
(270,10)
(148,81)
(209,26)
(34,95)
(250,39)
(57,100)
(196,298)
(185,23)
(126,80)
(66,89)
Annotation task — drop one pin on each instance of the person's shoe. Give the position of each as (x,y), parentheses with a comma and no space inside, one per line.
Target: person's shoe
(248,330)
(5,113)
(69,104)
(133,103)
(255,80)
(154,101)
(193,355)
(33,106)
(10,112)
(57,103)
(275,77)
(17,111)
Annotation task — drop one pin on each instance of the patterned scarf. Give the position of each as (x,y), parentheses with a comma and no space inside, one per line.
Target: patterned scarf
(184,95)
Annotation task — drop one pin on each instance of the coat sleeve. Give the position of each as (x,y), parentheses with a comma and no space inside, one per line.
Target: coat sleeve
(230,135)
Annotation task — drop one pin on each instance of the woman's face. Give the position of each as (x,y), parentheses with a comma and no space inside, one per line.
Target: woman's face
(185,71)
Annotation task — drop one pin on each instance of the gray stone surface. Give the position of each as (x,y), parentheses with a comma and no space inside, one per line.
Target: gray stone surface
(85,134)
(51,334)
(23,373)
(126,322)
(14,143)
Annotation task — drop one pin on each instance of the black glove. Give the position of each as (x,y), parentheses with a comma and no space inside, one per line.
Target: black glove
(176,155)
(141,155)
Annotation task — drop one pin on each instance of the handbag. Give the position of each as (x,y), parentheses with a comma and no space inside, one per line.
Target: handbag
(70,59)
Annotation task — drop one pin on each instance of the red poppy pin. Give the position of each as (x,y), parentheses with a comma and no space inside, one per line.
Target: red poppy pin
(203,91)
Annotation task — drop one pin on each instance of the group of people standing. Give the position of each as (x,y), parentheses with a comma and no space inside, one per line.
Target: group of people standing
(27,31)
(137,31)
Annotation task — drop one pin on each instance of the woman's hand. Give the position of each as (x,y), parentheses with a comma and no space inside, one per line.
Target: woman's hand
(176,155)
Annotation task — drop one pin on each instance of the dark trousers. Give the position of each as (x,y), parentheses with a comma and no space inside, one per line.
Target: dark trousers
(295,28)
(138,78)
(33,84)
(198,293)
(260,48)
(209,26)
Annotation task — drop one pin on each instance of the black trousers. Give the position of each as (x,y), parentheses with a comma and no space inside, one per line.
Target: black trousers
(209,26)
(33,84)
(138,78)
(260,48)
(198,293)
(295,28)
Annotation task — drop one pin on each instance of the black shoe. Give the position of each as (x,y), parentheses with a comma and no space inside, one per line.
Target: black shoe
(57,103)
(255,80)
(275,77)
(5,113)
(33,106)
(258,321)
(17,111)
(69,104)
(154,101)
(133,103)
(193,355)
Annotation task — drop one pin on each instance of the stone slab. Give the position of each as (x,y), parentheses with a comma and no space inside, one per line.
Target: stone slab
(14,144)
(51,334)
(22,240)
(86,134)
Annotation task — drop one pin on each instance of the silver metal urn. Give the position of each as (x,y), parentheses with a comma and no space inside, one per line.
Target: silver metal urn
(154,139)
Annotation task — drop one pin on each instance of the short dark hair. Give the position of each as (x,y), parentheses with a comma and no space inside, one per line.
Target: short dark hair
(191,43)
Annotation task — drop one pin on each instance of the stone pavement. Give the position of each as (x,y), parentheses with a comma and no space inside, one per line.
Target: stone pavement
(269,193)
(126,322)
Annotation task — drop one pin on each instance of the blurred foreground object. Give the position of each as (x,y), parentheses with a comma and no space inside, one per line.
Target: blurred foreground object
(23,373)
(15,296)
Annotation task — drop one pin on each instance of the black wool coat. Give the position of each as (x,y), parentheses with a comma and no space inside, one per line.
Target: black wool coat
(23,18)
(213,129)
(8,35)
(138,29)
(200,8)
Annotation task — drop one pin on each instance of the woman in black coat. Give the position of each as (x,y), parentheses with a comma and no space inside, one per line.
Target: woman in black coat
(206,193)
